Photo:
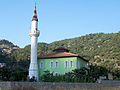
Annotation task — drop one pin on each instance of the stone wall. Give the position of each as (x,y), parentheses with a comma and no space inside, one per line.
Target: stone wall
(105,85)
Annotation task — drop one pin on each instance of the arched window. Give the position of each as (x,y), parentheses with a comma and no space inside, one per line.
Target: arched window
(66,64)
(71,63)
(41,64)
(51,64)
(56,64)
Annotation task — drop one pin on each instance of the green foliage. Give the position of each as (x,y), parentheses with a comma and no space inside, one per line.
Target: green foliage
(112,66)
(7,47)
(6,42)
(78,75)
(106,46)
(81,75)
(14,71)
(96,71)
(102,49)
(18,76)
(7,74)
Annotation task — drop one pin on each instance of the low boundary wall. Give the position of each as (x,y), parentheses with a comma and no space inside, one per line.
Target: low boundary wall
(105,85)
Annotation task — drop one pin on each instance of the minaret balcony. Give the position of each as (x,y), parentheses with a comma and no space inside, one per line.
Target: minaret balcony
(35,33)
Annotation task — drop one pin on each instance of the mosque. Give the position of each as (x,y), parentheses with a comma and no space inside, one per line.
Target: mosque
(60,61)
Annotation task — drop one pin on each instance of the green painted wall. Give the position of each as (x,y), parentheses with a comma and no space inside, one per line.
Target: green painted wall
(82,63)
(61,69)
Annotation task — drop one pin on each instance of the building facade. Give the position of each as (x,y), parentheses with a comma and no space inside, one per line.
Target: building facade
(60,62)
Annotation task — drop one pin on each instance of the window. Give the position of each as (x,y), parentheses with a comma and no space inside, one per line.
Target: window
(56,64)
(71,63)
(66,64)
(78,64)
(41,64)
(51,64)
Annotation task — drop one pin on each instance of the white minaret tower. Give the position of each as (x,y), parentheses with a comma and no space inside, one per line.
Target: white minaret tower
(34,33)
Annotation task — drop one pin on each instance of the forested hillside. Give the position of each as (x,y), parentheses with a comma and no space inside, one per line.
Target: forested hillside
(102,49)
(92,46)
(6,48)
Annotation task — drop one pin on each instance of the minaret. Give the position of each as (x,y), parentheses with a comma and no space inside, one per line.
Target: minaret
(34,34)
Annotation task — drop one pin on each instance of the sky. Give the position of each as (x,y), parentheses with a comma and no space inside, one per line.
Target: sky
(58,19)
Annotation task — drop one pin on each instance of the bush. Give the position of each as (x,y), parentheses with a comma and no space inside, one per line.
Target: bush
(90,74)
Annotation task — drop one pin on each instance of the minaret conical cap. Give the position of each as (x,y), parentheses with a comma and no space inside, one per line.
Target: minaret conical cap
(35,14)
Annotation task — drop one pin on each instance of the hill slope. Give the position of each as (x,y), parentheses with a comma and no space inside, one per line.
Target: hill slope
(102,49)
(6,48)
(92,46)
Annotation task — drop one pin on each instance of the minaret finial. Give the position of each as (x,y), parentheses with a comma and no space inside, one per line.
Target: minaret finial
(35,14)
(35,5)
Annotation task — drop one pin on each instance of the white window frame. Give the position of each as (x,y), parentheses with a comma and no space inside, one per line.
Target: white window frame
(51,65)
(41,64)
(71,64)
(56,65)
(66,65)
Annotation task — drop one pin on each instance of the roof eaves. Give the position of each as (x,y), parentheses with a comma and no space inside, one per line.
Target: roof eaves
(62,57)
(55,57)
(83,58)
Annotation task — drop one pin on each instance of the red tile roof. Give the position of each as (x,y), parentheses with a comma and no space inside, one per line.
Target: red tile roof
(62,54)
